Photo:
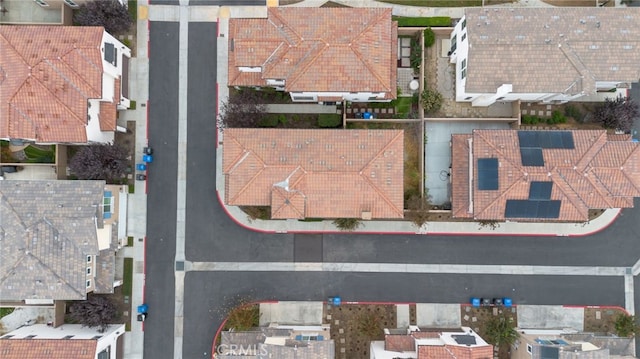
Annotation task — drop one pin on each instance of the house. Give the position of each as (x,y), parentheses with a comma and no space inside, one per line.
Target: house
(38,12)
(317,54)
(544,54)
(305,173)
(278,341)
(61,84)
(59,239)
(417,343)
(563,344)
(520,175)
(64,342)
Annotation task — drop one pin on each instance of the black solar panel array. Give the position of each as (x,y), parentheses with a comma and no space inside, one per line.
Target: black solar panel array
(540,190)
(524,208)
(532,143)
(487,174)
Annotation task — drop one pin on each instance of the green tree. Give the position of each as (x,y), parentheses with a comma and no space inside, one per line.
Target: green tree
(500,330)
(429,37)
(625,325)
(347,224)
(431,100)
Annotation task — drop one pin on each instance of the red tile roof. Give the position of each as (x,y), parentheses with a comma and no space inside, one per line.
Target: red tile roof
(302,173)
(596,174)
(48,348)
(399,343)
(47,73)
(317,49)
(454,352)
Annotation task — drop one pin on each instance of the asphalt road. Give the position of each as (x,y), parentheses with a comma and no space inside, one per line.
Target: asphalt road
(210,293)
(212,236)
(162,187)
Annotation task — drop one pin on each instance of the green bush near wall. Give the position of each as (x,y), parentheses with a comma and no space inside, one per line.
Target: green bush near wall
(329,120)
(435,21)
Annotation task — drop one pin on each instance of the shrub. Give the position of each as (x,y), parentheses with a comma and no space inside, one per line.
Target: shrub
(244,317)
(329,120)
(436,21)
(269,121)
(96,311)
(429,37)
(530,120)
(415,57)
(100,162)
(347,224)
(573,112)
(556,118)
(369,325)
(243,108)
(625,325)
(431,100)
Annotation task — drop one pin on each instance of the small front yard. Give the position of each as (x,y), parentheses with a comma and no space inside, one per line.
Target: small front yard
(479,319)
(30,154)
(447,3)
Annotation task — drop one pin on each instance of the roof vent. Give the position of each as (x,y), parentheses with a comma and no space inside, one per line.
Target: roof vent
(583,21)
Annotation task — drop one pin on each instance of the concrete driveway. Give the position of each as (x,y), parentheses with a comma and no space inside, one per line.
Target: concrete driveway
(438,152)
(550,317)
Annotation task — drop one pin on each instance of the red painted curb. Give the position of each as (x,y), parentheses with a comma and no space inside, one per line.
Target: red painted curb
(144,273)
(221,201)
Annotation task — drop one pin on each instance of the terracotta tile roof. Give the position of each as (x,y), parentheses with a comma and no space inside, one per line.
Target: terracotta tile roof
(316,49)
(48,348)
(460,189)
(108,115)
(399,343)
(540,50)
(454,352)
(48,229)
(595,174)
(47,73)
(301,173)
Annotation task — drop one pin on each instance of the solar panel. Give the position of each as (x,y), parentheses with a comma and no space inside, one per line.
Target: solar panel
(540,190)
(487,174)
(528,139)
(464,339)
(546,139)
(522,208)
(531,156)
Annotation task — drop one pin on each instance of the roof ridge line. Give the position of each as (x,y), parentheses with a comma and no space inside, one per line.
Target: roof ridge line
(294,207)
(373,185)
(498,197)
(298,74)
(568,184)
(598,186)
(375,21)
(247,184)
(73,114)
(275,13)
(56,97)
(583,166)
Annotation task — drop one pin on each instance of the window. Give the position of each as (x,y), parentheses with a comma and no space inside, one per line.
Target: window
(88,284)
(41,3)
(303,98)
(464,36)
(454,46)
(529,348)
(88,270)
(71,3)
(463,66)
(107,204)
(88,259)
(463,74)
(464,23)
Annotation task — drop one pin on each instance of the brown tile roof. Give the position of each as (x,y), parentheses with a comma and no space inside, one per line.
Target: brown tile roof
(316,49)
(48,348)
(47,74)
(454,352)
(301,173)
(542,50)
(596,174)
(460,189)
(399,343)
(48,229)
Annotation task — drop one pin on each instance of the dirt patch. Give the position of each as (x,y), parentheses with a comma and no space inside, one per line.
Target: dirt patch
(476,319)
(353,327)
(128,141)
(601,320)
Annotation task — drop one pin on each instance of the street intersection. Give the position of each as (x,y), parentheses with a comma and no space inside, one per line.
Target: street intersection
(193,247)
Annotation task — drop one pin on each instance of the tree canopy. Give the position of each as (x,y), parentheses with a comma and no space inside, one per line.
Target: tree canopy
(110,14)
(617,114)
(96,311)
(100,162)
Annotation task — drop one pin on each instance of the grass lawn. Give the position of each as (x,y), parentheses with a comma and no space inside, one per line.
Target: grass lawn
(446,3)
(40,155)
(132,5)
(6,311)
(127,281)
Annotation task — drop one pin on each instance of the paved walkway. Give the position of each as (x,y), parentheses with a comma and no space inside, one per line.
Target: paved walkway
(301,108)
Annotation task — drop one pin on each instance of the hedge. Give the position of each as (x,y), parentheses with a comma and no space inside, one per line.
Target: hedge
(329,120)
(436,21)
